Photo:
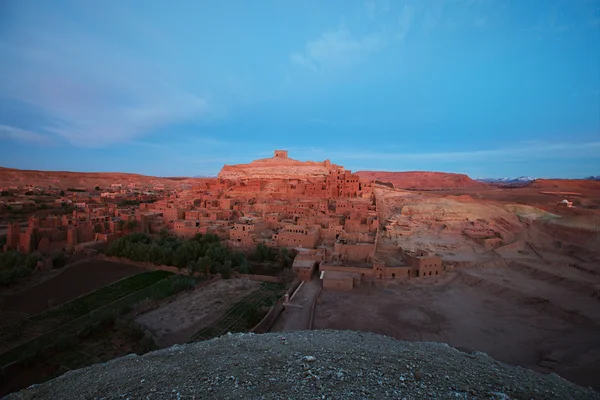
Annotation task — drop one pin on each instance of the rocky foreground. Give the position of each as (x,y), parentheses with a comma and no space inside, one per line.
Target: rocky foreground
(306,365)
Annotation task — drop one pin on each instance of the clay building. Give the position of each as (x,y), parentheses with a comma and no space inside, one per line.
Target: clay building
(305,265)
(333,280)
(423,263)
(296,236)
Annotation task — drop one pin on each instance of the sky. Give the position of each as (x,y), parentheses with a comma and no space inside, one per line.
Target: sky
(490,88)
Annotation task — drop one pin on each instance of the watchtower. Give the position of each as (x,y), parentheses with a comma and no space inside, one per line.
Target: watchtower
(281,154)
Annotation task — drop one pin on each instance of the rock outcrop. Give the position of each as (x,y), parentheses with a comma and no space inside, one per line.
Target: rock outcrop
(307,365)
(279,167)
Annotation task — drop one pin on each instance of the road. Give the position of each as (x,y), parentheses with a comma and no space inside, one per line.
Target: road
(296,316)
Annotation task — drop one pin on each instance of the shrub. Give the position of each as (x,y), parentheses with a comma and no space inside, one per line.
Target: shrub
(59,259)
(182,283)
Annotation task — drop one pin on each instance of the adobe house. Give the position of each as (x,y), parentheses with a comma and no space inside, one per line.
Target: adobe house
(304,265)
(333,280)
(423,263)
(354,252)
(297,236)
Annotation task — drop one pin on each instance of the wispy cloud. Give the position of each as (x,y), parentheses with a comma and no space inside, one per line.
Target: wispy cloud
(302,60)
(21,135)
(527,151)
(337,48)
(91,91)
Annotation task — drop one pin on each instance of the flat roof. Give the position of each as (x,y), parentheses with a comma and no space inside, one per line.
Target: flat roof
(303,263)
(336,275)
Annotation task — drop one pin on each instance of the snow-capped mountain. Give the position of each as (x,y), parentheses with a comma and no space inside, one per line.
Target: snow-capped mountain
(593,178)
(520,179)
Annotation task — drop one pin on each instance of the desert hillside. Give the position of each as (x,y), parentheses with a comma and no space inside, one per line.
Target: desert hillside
(307,365)
(278,168)
(565,184)
(87,180)
(423,180)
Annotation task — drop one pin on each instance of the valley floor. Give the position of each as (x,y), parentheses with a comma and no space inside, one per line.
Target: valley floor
(522,314)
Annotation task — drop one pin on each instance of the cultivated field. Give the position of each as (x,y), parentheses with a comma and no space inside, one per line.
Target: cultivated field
(179,319)
(89,329)
(72,282)
(245,314)
(522,313)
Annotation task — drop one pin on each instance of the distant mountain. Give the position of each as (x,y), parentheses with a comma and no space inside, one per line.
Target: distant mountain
(520,179)
(593,178)
(422,180)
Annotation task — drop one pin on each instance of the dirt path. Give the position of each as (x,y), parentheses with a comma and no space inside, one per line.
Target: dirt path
(296,316)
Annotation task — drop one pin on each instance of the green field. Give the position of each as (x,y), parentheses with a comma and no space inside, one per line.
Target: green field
(45,328)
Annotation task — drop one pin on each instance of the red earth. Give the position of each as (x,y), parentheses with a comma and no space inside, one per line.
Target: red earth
(423,180)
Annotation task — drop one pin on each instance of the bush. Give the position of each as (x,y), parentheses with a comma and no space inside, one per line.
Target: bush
(182,283)
(130,329)
(65,343)
(200,254)
(264,253)
(145,345)
(225,270)
(59,259)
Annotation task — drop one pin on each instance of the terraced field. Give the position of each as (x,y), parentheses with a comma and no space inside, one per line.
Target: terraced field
(17,336)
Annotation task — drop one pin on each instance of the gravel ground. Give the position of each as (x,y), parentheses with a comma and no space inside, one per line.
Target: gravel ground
(306,365)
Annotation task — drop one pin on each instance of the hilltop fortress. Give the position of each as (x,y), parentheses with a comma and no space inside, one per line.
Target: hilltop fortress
(280,166)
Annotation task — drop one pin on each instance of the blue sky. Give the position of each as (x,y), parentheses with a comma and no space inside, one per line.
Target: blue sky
(490,88)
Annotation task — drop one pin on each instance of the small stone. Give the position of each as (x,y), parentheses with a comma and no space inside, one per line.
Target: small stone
(309,358)
(418,375)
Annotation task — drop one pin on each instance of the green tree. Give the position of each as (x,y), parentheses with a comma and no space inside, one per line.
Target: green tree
(244,267)
(97,188)
(225,270)
(284,258)
(62,193)
(130,226)
(203,265)
(59,259)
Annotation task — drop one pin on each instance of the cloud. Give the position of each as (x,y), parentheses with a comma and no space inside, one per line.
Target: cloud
(526,152)
(21,135)
(301,60)
(405,21)
(337,48)
(91,91)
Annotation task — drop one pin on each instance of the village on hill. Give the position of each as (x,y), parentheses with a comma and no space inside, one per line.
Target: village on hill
(95,266)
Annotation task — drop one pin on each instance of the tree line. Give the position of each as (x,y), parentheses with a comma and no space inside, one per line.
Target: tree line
(204,254)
